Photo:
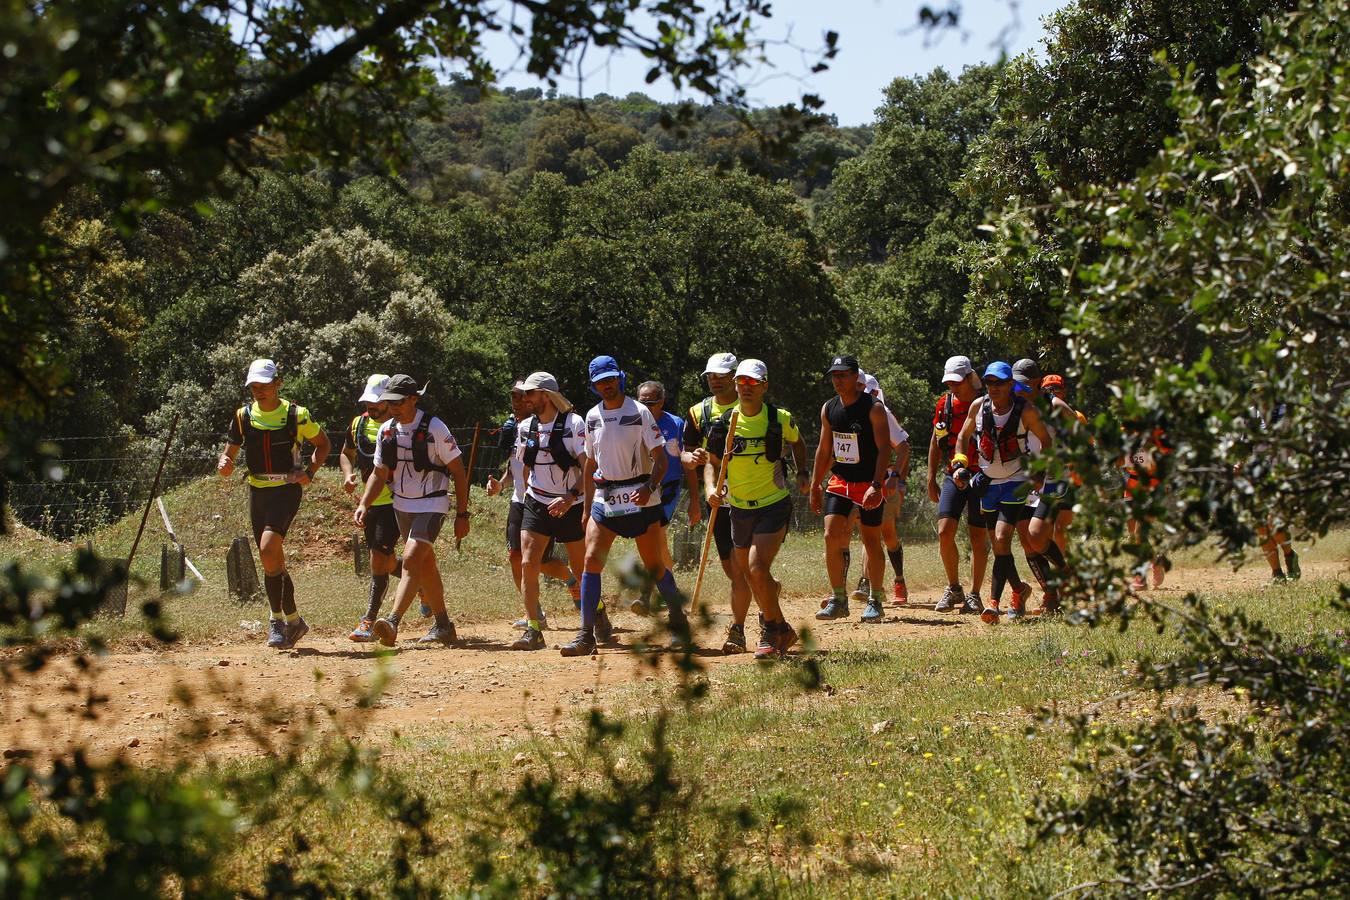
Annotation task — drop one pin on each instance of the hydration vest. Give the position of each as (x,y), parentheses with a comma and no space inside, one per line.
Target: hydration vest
(421,452)
(557,443)
(364,446)
(269,451)
(1005,441)
(717,435)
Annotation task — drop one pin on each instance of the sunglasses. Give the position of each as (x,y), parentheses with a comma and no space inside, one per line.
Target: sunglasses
(997,380)
(747,380)
(657,402)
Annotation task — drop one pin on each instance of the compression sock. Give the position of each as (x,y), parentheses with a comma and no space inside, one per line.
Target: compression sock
(898,561)
(1055,555)
(590,599)
(848,558)
(1004,570)
(378,585)
(274,583)
(1040,567)
(288,597)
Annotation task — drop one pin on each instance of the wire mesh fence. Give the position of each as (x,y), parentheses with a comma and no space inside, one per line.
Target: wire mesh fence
(97,480)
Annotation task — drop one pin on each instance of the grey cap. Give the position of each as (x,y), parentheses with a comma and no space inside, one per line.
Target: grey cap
(1025,371)
(958,368)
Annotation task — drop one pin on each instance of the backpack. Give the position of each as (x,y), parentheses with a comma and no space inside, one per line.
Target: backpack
(364,447)
(421,451)
(263,451)
(557,444)
(1005,441)
(773,436)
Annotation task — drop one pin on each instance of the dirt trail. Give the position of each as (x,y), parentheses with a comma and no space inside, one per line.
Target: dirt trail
(479,690)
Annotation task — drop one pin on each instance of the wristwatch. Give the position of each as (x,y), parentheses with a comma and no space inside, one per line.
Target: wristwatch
(463,514)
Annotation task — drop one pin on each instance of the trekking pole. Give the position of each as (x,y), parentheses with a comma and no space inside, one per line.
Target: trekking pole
(154,490)
(712,514)
(473,455)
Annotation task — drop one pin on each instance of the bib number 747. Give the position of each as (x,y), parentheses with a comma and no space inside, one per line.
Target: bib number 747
(846,447)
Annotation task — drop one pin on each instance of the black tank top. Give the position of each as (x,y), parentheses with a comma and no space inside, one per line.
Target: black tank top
(855,445)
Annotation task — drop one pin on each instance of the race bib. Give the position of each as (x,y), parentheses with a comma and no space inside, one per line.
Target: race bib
(846,447)
(620,501)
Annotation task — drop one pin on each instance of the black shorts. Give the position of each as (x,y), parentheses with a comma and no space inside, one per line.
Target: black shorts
(952,500)
(273,508)
(836,505)
(746,523)
(629,526)
(382,529)
(514,519)
(564,529)
(1053,504)
(722,533)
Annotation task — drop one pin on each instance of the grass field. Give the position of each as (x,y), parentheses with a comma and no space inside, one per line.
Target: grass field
(908,771)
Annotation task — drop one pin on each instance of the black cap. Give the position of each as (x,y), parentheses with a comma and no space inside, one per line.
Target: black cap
(399,387)
(1026,371)
(844,364)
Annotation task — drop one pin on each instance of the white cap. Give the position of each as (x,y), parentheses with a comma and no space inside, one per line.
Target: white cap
(755,368)
(375,386)
(261,371)
(720,364)
(871,385)
(958,369)
(543,381)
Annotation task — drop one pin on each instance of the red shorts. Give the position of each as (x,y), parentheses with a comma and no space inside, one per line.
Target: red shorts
(853,490)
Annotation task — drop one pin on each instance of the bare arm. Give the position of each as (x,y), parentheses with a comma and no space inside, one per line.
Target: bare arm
(374,484)
(823,452)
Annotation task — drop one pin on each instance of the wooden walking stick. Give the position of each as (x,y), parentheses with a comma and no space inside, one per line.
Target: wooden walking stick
(712,514)
(473,455)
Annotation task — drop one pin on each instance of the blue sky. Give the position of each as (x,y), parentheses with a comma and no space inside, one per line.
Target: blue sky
(877,43)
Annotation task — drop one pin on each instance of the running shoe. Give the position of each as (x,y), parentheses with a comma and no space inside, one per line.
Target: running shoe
(294,632)
(1291,563)
(1050,606)
(735,640)
(862,590)
(276,635)
(768,640)
(639,607)
(1158,571)
(440,634)
(386,632)
(950,598)
(1019,600)
(604,629)
(525,623)
(874,612)
(833,609)
(973,605)
(362,634)
(530,639)
(990,614)
(581,645)
(784,637)
(1277,579)
(899,593)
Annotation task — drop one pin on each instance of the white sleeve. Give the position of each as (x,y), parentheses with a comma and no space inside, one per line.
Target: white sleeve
(379,444)
(651,432)
(581,444)
(898,433)
(446,447)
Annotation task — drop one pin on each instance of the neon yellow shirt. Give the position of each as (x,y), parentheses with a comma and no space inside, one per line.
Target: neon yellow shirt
(696,416)
(370,430)
(752,481)
(305,429)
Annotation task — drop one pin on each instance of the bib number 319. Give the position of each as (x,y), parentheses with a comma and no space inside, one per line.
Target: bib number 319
(621,501)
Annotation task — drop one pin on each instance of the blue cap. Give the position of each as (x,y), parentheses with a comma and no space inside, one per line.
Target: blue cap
(1000,370)
(603,367)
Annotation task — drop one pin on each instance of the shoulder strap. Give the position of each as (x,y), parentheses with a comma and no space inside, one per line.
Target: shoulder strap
(773,435)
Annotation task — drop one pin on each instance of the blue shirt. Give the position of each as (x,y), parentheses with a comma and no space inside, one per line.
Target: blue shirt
(672,429)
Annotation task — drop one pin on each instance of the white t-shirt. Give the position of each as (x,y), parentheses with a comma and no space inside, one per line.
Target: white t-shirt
(621,441)
(898,433)
(516,472)
(998,469)
(547,483)
(410,486)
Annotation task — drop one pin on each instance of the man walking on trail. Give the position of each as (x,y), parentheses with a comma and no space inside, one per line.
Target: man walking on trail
(514,475)
(756,494)
(896,477)
(1054,497)
(952,498)
(356,457)
(720,373)
(853,432)
(551,445)
(271,430)
(625,462)
(418,457)
(999,423)
(652,394)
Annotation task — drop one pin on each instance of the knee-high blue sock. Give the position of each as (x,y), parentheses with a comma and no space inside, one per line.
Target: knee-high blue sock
(590,599)
(665,585)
